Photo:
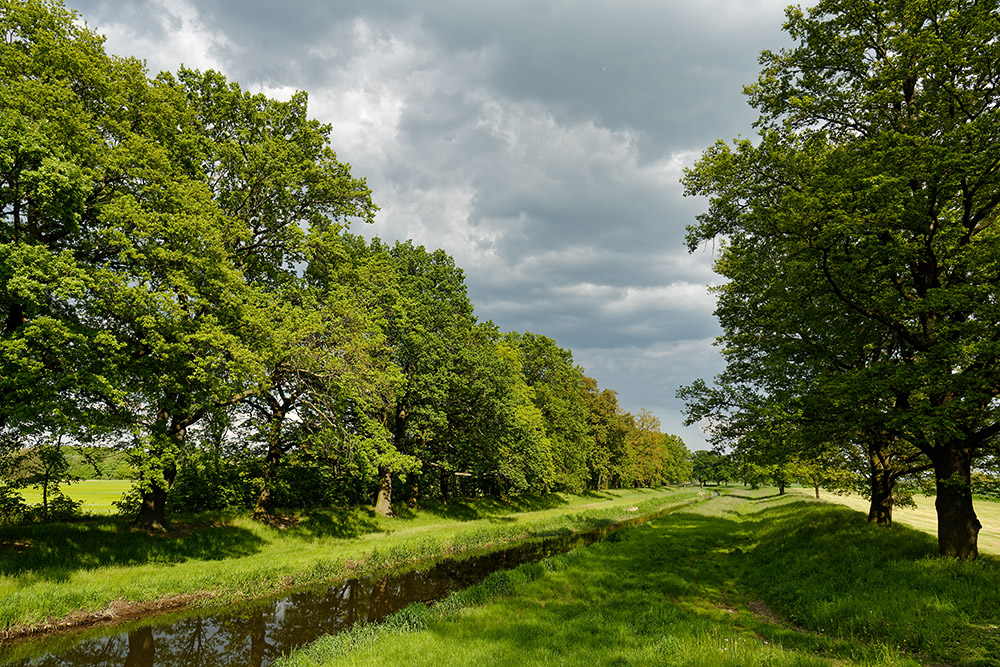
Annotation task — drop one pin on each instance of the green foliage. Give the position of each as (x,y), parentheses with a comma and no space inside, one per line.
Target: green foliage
(177,284)
(860,252)
(985,484)
(556,388)
(711,466)
(12,506)
(58,507)
(206,482)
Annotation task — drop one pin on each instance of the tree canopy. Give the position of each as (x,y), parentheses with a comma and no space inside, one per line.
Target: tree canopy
(859,235)
(178,280)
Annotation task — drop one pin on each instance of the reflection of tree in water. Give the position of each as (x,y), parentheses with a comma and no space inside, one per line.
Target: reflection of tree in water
(141,648)
(258,639)
(259,633)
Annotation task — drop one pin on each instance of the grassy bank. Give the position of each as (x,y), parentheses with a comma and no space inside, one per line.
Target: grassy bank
(750,578)
(100,566)
(924,516)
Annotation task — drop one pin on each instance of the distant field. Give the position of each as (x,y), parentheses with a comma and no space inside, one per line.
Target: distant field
(924,516)
(97,495)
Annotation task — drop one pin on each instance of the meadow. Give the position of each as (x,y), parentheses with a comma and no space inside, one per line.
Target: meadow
(97,496)
(100,567)
(749,578)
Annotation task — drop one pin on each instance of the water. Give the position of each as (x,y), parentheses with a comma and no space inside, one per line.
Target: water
(255,635)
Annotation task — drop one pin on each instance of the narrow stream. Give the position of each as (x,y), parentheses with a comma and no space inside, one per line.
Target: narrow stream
(256,634)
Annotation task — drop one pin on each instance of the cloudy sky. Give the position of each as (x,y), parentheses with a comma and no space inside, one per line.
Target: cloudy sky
(538,142)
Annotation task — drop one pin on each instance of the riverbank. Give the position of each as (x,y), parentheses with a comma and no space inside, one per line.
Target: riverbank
(100,570)
(749,578)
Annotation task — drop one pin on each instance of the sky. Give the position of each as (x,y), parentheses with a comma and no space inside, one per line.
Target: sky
(540,143)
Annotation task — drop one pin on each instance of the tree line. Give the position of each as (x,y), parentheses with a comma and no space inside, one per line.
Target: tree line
(177,279)
(860,247)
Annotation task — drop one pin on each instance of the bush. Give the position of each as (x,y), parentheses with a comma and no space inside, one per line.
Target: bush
(305,481)
(60,508)
(12,507)
(205,482)
(986,485)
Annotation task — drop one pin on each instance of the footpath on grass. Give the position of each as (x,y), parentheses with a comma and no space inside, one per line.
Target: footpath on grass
(748,578)
(61,576)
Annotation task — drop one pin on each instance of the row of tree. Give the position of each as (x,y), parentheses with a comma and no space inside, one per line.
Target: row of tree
(861,251)
(175,269)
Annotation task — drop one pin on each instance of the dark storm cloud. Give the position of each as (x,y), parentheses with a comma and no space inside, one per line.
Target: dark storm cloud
(645,65)
(538,142)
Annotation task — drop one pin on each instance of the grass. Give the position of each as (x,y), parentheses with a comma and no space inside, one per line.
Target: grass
(51,571)
(749,578)
(924,517)
(97,495)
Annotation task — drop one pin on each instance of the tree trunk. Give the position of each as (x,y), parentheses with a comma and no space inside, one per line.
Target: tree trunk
(881,481)
(262,508)
(781,488)
(816,487)
(383,503)
(152,512)
(445,486)
(958,525)
(413,492)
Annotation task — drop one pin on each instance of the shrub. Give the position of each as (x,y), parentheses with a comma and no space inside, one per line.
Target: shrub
(205,482)
(12,507)
(60,508)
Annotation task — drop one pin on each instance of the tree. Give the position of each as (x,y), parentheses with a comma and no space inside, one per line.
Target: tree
(556,384)
(660,458)
(426,318)
(493,434)
(874,186)
(147,227)
(65,129)
(710,466)
(273,173)
(609,427)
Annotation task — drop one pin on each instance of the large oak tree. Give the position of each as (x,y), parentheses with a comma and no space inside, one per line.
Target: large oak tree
(875,185)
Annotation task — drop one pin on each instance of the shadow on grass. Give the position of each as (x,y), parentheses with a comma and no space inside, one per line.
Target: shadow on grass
(744,570)
(492,508)
(825,567)
(750,495)
(55,550)
(656,590)
(341,523)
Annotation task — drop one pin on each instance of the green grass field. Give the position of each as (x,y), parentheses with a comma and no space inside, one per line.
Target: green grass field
(97,495)
(50,571)
(749,578)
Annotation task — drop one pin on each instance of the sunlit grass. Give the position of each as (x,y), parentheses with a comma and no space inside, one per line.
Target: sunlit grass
(745,579)
(51,570)
(96,495)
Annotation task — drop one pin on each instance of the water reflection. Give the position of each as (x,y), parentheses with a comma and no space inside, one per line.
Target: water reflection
(257,634)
